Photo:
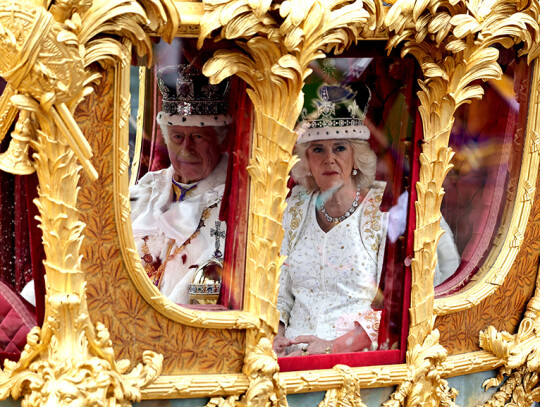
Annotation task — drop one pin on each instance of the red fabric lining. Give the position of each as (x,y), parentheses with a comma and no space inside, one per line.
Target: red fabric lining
(356,359)
(235,199)
(37,251)
(21,259)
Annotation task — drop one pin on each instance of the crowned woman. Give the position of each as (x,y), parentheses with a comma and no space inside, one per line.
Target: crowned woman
(334,234)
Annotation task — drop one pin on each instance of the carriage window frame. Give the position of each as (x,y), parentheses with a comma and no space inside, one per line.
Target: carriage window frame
(370,49)
(150,156)
(382,357)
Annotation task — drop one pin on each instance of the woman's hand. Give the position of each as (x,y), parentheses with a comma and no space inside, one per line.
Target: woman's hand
(313,345)
(280,342)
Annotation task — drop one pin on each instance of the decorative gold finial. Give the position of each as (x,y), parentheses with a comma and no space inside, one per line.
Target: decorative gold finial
(15,160)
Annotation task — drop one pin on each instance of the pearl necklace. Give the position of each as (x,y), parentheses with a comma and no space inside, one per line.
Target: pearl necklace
(346,214)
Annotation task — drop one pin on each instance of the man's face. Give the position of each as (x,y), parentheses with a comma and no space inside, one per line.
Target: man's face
(194,152)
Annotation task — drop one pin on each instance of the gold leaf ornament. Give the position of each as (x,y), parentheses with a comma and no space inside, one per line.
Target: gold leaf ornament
(348,394)
(276,43)
(44,56)
(30,67)
(424,363)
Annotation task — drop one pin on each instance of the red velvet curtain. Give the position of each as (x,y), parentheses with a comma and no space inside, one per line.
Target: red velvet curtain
(21,257)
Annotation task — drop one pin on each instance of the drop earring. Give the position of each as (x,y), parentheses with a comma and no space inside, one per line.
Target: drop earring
(354,171)
(309,174)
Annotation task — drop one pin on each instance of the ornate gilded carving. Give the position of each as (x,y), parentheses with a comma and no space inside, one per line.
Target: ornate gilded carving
(454,47)
(310,381)
(423,385)
(504,309)
(453,43)
(15,159)
(494,272)
(8,112)
(520,355)
(223,402)
(346,395)
(260,366)
(276,42)
(518,390)
(46,58)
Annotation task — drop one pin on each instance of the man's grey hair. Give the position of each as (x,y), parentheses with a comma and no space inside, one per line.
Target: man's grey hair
(365,161)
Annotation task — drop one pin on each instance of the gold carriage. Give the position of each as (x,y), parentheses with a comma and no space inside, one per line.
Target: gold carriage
(456,84)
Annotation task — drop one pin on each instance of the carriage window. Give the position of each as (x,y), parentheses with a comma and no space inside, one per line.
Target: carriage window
(190,196)
(487,138)
(342,285)
(136,77)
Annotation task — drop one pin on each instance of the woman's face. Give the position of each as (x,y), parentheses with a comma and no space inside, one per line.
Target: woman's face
(331,162)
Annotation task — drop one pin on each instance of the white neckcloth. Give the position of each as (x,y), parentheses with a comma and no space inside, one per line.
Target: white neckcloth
(176,220)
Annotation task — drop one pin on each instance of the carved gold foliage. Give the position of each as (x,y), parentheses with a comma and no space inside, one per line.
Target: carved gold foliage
(424,385)
(8,112)
(67,353)
(260,366)
(276,42)
(520,356)
(519,389)
(452,42)
(46,57)
(513,273)
(223,402)
(33,44)
(348,395)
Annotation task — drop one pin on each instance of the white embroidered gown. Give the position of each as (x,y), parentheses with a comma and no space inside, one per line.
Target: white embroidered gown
(330,279)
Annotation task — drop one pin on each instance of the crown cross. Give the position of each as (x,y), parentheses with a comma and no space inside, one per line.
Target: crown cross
(326,109)
(185,88)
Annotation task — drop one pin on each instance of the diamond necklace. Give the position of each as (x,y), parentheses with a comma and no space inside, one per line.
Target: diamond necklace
(349,212)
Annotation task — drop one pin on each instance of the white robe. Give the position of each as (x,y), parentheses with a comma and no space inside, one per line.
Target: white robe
(164,223)
(329,280)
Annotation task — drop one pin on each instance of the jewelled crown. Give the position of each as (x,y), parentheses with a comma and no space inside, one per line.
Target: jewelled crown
(189,99)
(336,115)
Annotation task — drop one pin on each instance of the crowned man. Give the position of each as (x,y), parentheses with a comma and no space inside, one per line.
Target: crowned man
(175,211)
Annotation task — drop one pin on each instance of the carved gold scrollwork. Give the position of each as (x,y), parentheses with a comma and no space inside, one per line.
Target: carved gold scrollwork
(261,368)
(453,43)
(520,358)
(423,385)
(453,48)
(223,402)
(46,58)
(276,42)
(346,395)
(15,159)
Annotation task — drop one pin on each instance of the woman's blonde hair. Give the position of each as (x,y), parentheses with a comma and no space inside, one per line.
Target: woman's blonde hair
(365,161)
